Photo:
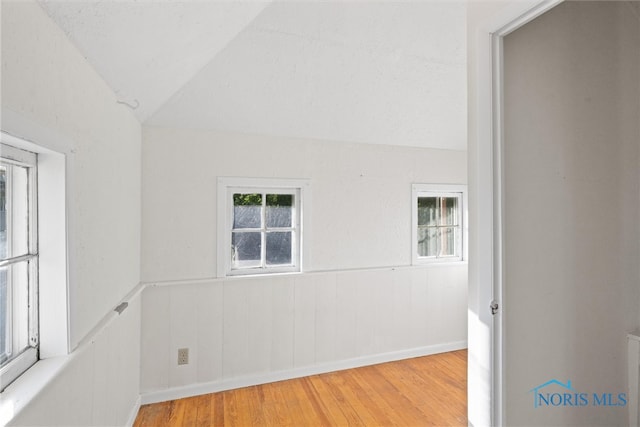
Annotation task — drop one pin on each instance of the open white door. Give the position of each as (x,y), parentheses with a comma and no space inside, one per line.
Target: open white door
(488,23)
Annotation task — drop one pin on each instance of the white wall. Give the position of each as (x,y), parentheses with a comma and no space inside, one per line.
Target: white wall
(361,195)
(572,176)
(97,385)
(51,96)
(254,330)
(352,304)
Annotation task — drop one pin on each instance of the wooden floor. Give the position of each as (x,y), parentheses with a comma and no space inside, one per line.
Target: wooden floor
(425,391)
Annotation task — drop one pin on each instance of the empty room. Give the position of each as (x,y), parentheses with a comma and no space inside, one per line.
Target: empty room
(242,186)
(315,213)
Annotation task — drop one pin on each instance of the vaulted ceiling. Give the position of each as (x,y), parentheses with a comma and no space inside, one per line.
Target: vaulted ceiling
(381,72)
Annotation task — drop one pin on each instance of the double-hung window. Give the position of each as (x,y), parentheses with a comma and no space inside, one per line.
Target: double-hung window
(438,223)
(260,226)
(18,263)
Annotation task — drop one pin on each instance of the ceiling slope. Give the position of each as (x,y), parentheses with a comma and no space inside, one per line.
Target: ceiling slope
(374,72)
(147,50)
(382,72)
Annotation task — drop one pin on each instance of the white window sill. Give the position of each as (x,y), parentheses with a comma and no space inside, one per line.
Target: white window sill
(24,389)
(254,275)
(441,263)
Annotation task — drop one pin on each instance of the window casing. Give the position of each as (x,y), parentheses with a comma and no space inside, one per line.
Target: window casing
(259,226)
(438,219)
(19,341)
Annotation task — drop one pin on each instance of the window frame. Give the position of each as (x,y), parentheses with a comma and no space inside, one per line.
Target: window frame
(227,187)
(439,190)
(28,355)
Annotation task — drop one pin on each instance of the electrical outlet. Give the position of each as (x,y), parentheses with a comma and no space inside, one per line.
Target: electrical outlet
(183,356)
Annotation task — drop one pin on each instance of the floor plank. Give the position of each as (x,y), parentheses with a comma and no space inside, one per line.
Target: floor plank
(423,391)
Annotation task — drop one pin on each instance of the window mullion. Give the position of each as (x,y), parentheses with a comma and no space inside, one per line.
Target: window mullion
(272,229)
(32,187)
(230,228)
(439,202)
(34,297)
(8,191)
(263,233)
(9,338)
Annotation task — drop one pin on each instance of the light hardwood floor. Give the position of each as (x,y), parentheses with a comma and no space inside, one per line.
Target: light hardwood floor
(424,391)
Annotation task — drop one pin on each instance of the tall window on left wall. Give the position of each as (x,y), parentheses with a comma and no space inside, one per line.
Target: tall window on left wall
(18,263)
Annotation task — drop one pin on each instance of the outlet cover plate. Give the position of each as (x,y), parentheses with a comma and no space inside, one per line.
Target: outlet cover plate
(183,356)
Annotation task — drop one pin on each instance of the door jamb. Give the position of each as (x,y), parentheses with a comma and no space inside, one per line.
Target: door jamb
(490,140)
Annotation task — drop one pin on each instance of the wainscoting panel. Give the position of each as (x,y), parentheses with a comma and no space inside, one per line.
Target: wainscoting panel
(255,329)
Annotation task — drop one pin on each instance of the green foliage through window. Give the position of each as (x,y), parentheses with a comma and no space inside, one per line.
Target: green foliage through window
(255,199)
(247,199)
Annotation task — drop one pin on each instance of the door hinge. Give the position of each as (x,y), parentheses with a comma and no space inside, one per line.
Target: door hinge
(494,307)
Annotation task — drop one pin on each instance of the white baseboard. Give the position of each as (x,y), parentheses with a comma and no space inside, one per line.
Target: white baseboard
(268,377)
(134,412)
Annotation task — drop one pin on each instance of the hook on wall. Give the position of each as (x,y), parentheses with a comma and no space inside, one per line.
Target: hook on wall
(132,106)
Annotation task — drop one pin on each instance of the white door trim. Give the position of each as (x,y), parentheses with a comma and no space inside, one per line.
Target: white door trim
(486,169)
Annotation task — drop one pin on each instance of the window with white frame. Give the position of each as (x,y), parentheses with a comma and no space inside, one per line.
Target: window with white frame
(18,263)
(260,226)
(438,223)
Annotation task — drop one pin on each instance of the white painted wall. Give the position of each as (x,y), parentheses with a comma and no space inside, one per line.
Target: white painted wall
(245,331)
(96,385)
(572,176)
(358,301)
(46,81)
(361,215)
(51,96)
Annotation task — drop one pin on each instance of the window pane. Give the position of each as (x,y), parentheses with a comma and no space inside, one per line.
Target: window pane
(5,345)
(15,211)
(427,242)
(279,248)
(449,210)
(449,237)
(3,213)
(427,211)
(279,210)
(14,306)
(247,211)
(247,249)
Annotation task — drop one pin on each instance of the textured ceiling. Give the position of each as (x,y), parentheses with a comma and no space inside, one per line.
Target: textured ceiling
(372,72)
(147,50)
